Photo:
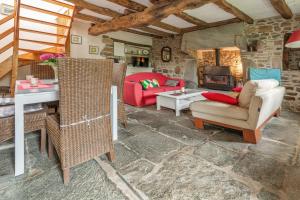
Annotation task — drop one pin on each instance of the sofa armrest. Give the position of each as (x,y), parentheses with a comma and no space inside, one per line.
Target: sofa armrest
(133,93)
(263,105)
(181,82)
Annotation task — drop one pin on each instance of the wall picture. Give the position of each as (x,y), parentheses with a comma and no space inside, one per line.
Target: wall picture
(166,54)
(93,50)
(76,39)
(7,9)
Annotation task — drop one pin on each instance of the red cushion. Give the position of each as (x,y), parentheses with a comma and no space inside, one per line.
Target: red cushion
(213,96)
(237,89)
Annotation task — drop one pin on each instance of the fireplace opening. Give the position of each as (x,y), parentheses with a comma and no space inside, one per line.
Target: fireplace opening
(219,68)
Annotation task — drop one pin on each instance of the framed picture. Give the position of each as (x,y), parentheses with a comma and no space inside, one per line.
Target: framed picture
(7,9)
(93,50)
(166,54)
(76,39)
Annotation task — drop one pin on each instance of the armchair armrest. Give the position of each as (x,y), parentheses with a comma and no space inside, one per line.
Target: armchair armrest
(264,105)
(133,93)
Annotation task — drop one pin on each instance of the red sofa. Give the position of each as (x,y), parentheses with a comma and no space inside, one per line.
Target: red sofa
(134,94)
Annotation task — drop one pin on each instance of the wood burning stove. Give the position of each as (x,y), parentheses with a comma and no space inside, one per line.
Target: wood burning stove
(218,78)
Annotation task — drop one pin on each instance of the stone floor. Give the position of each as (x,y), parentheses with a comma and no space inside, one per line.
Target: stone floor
(160,156)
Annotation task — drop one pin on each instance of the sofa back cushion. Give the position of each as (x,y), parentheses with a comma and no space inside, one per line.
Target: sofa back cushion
(246,94)
(266,84)
(147,75)
(255,86)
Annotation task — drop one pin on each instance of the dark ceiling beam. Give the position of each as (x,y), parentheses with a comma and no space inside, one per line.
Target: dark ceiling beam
(234,11)
(211,25)
(132,5)
(148,16)
(191,19)
(282,8)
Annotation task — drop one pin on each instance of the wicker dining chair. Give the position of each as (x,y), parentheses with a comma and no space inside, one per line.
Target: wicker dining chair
(41,71)
(82,131)
(44,72)
(119,73)
(33,121)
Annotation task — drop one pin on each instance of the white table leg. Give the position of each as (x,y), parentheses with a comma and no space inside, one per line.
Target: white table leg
(177,108)
(114,111)
(158,103)
(19,137)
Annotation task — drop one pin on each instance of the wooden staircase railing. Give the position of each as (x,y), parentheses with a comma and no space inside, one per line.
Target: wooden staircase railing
(34,47)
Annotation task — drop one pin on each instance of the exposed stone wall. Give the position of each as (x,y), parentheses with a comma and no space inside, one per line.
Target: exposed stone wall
(174,68)
(291,81)
(269,33)
(270,36)
(294,59)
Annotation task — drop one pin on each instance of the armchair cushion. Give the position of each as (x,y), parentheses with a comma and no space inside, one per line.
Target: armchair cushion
(247,93)
(223,98)
(220,109)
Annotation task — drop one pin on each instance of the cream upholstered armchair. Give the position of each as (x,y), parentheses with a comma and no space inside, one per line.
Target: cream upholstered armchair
(259,101)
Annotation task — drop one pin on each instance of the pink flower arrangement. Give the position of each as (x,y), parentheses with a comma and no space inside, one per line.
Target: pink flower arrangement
(50,58)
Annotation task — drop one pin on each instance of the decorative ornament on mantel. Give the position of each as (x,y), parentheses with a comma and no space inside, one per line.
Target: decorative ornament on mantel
(294,40)
(51,60)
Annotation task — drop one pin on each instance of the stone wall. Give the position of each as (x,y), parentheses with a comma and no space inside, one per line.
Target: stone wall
(270,36)
(174,68)
(269,33)
(294,59)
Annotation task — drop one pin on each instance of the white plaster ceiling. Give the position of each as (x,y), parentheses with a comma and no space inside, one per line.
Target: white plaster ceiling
(294,5)
(177,22)
(257,9)
(108,4)
(209,13)
(91,13)
(161,29)
(135,29)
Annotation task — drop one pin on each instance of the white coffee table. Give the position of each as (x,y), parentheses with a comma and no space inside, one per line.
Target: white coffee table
(178,101)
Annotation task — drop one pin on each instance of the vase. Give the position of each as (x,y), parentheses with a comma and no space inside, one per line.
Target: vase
(55,70)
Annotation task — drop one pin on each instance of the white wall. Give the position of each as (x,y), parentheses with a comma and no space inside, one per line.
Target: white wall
(82,51)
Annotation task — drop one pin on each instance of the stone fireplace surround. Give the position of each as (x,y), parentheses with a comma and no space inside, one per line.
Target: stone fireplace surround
(270,36)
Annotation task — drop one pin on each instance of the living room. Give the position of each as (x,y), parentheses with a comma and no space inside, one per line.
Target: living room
(199,99)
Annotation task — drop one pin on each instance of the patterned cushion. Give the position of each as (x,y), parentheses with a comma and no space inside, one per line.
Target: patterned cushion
(172,83)
(146,84)
(155,83)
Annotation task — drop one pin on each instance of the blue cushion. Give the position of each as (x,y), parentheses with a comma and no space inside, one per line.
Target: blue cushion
(264,73)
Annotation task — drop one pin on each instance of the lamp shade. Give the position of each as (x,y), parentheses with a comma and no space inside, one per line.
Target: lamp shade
(294,40)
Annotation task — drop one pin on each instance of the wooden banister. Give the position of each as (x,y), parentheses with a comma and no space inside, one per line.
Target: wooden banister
(6,33)
(45,11)
(6,47)
(6,19)
(42,42)
(43,22)
(42,32)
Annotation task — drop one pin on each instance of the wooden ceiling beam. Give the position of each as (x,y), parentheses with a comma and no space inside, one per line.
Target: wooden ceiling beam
(95,8)
(142,33)
(154,31)
(88,18)
(148,16)
(234,11)
(132,5)
(282,8)
(211,25)
(191,19)
(166,26)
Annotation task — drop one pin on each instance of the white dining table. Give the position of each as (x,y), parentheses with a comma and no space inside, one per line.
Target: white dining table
(31,96)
